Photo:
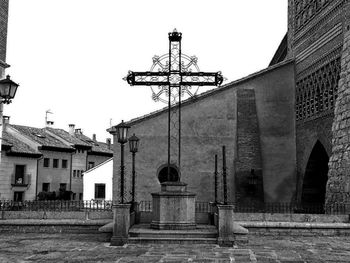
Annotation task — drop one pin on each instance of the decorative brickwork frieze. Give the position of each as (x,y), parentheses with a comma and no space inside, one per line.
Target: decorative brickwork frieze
(338,185)
(317,91)
(306,10)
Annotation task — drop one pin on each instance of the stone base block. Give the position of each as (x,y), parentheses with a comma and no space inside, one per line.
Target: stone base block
(173,207)
(118,241)
(172,225)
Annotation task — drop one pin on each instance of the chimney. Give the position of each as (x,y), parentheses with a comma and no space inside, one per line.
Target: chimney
(78,131)
(71,129)
(6,120)
(108,141)
(49,123)
(94,137)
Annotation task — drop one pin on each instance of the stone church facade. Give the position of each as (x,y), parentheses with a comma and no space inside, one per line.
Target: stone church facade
(276,124)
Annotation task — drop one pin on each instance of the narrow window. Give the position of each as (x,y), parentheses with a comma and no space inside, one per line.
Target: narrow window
(100,191)
(46,187)
(55,163)
(63,187)
(46,162)
(64,163)
(19,174)
(91,165)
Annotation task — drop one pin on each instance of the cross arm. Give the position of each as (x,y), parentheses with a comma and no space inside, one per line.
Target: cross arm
(201,78)
(147,78)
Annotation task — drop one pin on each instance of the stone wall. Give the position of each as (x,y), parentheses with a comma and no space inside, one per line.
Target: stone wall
(210,121)
(338,185)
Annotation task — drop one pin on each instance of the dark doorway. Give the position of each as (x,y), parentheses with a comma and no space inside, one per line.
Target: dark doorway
(163,174)
(315,177)
(18,196)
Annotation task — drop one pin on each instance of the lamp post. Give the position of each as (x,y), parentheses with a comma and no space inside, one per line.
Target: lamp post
(122,134)
(8,90)
(133,145)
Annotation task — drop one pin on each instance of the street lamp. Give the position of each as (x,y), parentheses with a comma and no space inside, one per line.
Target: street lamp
(8,90)
(133,145)
(122,135)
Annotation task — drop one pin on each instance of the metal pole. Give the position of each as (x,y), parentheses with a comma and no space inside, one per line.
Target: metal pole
(216,178)
(133,178)
(122,173)
(224,173)
(180,111)
(169,110)
(1,126)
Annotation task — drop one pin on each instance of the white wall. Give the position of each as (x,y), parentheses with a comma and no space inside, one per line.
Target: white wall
(101,174)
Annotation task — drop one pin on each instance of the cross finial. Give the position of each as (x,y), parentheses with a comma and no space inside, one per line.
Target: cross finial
(175,36)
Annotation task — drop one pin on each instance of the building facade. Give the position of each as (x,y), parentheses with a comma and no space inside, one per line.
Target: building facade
(289,154)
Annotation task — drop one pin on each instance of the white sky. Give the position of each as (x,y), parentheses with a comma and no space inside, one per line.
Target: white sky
(70,55)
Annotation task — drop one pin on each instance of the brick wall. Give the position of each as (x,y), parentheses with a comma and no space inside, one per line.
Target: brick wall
(308,134)
(338,185)
(248,149)
(4,5)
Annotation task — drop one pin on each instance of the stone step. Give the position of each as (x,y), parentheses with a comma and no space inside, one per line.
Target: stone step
(169,240)
(201,234)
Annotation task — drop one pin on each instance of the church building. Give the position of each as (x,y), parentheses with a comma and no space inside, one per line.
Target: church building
(276,124)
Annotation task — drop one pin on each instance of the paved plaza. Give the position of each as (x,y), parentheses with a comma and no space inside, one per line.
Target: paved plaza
(77,248)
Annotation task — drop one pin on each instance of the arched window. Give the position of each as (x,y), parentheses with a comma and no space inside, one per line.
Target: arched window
(163,174)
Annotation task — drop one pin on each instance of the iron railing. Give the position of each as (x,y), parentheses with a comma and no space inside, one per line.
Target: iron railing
(200,207)
(281,208)
(290,208)
(21,181)
(145,206)
(203,207)
(56,205)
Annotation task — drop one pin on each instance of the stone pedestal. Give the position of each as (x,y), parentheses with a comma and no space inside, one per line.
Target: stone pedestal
(173,207)
(121,224)
(229,231)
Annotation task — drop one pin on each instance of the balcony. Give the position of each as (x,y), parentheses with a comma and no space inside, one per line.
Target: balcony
(20,181)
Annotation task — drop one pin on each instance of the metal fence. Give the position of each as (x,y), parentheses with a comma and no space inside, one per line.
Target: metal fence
(56,205)
(200,207)
(290,208)
(145,206)
(281,208)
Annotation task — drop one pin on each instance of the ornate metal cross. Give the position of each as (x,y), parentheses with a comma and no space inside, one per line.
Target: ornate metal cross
(172,76)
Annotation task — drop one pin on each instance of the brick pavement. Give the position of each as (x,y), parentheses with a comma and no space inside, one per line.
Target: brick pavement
(33,247)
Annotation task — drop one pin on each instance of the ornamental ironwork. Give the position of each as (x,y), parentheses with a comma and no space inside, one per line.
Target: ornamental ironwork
(174,77)
(317,92)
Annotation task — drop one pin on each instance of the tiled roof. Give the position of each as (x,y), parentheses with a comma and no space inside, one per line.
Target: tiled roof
(40,136)
(97,147)
(16,145)
(67,137)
